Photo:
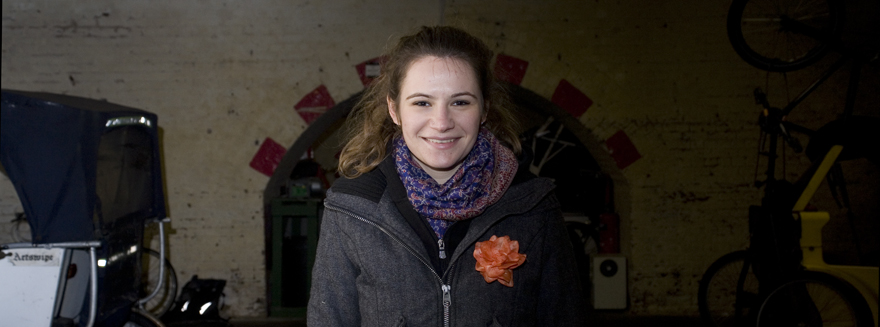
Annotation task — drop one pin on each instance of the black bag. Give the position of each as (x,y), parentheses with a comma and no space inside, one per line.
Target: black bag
(198,304)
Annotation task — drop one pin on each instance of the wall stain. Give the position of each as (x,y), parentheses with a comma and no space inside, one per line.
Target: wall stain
(92,31)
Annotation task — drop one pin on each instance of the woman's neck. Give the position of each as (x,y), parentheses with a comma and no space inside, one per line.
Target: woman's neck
(440,176)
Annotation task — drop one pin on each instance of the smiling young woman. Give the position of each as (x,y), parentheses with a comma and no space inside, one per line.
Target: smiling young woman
(436,207)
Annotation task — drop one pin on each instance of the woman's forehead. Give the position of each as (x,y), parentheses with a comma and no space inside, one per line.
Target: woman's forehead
(432,72)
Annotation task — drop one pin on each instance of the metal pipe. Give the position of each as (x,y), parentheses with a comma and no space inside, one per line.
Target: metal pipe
(93,290)
(144,300)
(66,245)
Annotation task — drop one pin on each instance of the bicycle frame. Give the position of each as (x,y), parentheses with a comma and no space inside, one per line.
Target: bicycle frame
(775,119)
(864,279)
(822,78)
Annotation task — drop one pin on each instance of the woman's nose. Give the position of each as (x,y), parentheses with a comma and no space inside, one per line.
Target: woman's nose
(441,119)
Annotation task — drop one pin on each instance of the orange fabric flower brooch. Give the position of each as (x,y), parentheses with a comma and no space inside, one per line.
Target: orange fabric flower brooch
(496,258)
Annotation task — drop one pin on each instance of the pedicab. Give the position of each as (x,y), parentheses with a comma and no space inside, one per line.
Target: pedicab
(88,173)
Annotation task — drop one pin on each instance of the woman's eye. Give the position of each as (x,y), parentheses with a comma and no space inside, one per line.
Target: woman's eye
(460,103)
(421,103)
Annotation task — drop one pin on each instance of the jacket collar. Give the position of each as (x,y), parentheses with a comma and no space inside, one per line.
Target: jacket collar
(519,198)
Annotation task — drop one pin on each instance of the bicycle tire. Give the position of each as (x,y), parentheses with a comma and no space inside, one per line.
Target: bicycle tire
(717,297)
(138,318)
(162,302)
(757,32)
(815,299)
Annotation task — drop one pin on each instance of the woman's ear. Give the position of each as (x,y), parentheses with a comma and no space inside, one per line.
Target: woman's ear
(392,111)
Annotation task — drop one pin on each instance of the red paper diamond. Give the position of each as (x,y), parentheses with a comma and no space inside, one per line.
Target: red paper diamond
(568,97)
(314,104)
(268,157)
(510,69)
(622,150)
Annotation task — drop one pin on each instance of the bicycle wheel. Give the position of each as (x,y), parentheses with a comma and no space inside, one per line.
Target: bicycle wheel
(163,300)
(815,299)
(721,301)
(783,35)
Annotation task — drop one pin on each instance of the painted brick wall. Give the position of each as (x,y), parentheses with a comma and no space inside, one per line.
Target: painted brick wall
(223,76)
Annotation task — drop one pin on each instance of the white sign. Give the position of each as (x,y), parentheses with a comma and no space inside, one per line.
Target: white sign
(34,257)
(29,285)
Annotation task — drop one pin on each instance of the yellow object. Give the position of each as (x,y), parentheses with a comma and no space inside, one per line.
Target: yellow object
(864,279)
(817,178)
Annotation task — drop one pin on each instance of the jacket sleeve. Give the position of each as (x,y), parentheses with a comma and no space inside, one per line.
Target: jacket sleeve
(561,301)
(333,299)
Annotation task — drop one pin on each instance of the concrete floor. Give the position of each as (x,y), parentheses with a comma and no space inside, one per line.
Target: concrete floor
(599,320)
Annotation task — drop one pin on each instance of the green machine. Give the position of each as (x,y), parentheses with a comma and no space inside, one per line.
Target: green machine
(295,225)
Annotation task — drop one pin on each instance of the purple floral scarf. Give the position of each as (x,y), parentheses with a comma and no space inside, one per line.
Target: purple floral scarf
(479,182)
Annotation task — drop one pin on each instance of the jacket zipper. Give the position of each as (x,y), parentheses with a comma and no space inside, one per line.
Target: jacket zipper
(447,302)
(445,288)
(447,297)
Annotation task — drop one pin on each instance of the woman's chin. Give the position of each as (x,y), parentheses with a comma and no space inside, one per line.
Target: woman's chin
(440,165)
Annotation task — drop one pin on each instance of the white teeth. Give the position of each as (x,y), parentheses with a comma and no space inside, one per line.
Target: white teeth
(440,141)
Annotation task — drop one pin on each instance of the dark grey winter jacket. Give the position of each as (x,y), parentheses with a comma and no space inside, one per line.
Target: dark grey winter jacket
(374,266)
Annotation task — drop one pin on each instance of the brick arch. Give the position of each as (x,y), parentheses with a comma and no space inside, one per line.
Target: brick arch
(522,97)
(541,107)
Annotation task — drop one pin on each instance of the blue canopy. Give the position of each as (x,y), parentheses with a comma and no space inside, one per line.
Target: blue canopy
(80,165)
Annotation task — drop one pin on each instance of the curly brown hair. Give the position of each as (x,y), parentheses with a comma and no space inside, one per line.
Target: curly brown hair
(370,128)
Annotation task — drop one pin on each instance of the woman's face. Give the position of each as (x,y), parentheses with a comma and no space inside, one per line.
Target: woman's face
(440,110)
